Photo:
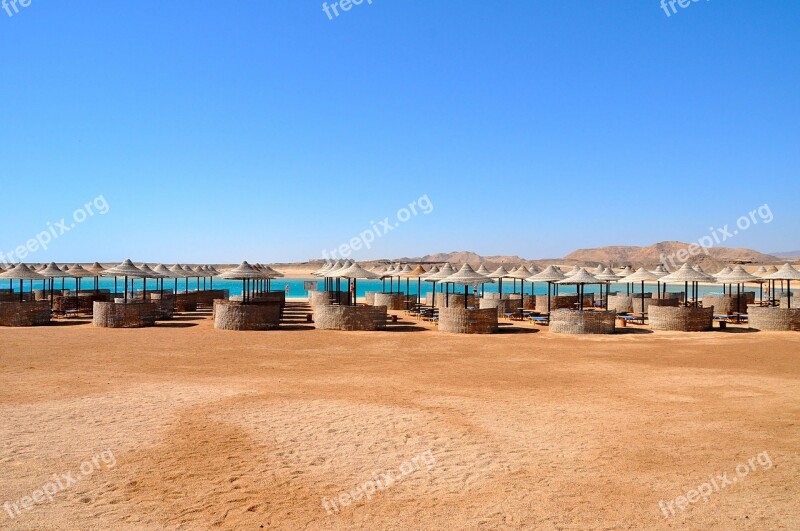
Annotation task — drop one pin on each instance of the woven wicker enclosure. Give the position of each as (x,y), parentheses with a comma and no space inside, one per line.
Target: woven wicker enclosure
(503,306)
(130,315)
(556,302)
(233,315)
(464,321)
(456,300)
(186,302)
(637,305)
(8,296)
(774,319)
(681,318)
(364,318)
(582,323)
(34,313)
(165,304)
(795,300)
(394,301)
(206,298)
(621,303)
(726,304)
(324,298)
(530,301)
(84,303)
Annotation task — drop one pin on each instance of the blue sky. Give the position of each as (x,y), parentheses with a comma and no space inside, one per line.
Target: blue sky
(263,130)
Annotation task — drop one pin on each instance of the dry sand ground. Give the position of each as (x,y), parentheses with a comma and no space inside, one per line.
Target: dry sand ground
(528,430)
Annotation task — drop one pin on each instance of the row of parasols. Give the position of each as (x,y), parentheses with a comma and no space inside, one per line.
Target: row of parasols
(554,276)
(255,278)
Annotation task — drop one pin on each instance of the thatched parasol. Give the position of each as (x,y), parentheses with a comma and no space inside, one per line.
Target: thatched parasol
(551,275)
(521,273)
(439,276)
(787,273)
(356,272)
(658,272)
(641,275)
(125,269)
(408,273)
(246,273)
(52,272)
(687,274)
(97,269)
(607,276)
(580,278)
(78,272)
(737,276)
(21,272)
(499,274)
(468,277)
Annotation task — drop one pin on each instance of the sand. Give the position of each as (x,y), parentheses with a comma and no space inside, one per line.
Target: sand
(525,430)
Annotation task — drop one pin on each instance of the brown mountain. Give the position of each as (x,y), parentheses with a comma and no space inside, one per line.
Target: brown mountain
(712,258)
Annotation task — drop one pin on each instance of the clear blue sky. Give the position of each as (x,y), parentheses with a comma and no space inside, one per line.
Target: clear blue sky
(262,130)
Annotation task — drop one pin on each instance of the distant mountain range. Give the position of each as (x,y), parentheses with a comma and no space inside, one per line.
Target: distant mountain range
(787,254)
(710,258)
(715,259)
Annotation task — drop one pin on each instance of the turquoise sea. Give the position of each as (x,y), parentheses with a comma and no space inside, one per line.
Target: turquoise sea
(297,286)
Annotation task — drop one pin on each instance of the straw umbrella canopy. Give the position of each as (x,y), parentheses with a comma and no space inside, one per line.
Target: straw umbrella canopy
(439,276)
(390,272)
(356,272)
(687,274)
(468,277)
(572,271)
(598,270)
(178,272)
(787,273)
(771,285)
(641,275)
(551,275)
(190,273)
(580,279)
(321,271)
(607,276)
(246,273)
(148,272)
(522,273)
(127,270)
(417,273)
(52,272)
(723,272)
(738,276)
(482,270)
(21,272)
(659,272)
(332,275)
(164,272)
(499,274)
(78,272)
(97,269)
(211,272)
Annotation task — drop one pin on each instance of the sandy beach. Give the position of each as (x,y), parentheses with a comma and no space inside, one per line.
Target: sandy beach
(195,428)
